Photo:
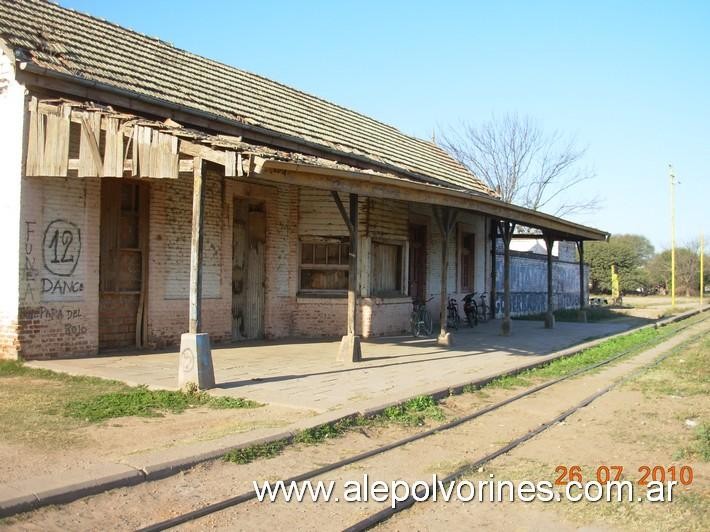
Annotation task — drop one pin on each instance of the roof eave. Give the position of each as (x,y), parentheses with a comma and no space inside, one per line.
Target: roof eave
(214,120)
(387,186)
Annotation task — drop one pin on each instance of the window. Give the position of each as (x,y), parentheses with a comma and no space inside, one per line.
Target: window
(386,269)
(467,254)
(324,265)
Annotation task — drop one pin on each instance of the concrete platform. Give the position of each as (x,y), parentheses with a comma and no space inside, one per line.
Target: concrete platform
(304,373)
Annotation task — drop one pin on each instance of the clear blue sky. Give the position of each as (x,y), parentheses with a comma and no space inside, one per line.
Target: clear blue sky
(631,80)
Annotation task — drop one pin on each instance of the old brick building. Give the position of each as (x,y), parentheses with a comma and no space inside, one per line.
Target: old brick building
(105,134)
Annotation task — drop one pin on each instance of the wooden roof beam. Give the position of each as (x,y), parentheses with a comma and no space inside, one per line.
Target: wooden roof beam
(391,187)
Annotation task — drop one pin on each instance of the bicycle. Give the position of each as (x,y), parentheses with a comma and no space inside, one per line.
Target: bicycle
(453,319)
(482,309)
(470,309)
(420,320)
(475,312)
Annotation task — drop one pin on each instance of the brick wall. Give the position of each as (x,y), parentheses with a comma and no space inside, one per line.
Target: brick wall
(59,269)
(170,230)
(60,319)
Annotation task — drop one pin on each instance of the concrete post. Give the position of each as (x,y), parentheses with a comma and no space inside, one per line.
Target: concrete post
(582,313)
(494,267)
(507,229)
(549,315)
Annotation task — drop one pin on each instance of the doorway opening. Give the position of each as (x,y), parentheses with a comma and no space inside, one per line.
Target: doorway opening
(248,269)
(123,263)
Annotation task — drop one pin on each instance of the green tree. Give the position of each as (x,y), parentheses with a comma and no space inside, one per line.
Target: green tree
(687,276)
(630,253)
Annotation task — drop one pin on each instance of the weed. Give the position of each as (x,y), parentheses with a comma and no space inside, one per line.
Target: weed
(255,452)
(700,446)
(414,412)
(314,435)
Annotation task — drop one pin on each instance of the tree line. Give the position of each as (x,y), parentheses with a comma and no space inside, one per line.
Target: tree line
(641,269)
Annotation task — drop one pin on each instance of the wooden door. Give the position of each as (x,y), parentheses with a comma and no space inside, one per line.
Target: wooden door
(123,263)
(248,269)
(417,261)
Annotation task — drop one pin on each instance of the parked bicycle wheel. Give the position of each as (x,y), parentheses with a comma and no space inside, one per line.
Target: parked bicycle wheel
(471,313)
(453,320)
(427,326)
(414,324)
(483,312)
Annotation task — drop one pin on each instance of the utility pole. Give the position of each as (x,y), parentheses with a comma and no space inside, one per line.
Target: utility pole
(671,174)
(702,280)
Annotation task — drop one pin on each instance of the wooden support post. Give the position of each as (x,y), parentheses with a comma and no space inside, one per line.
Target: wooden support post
(582,314)
(195,355)
(350,350)
(550,314)
(446,218)
(494,267)
(198,203)
(507,229)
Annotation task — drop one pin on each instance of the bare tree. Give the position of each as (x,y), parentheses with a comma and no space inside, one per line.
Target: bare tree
(526,166)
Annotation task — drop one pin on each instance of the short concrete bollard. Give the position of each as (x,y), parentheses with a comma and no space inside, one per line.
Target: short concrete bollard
(582,316)
(549,320)
(445,340)
(506,327)
(350,350)
(196,361)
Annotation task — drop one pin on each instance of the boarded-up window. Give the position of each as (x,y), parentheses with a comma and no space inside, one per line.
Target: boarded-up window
(324,265)
(386,269)
(467,243)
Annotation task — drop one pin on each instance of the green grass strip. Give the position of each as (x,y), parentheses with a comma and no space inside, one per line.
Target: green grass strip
(140,401)
(633,343)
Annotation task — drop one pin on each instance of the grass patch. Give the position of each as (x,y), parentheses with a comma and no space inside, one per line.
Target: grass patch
(414,412)
(594,314)
(699,447)
(43,408)
(140,401)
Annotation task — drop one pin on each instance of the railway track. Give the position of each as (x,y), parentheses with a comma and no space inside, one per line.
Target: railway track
(382,515)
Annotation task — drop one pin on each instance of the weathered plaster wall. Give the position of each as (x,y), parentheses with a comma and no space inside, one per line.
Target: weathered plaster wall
(11,124)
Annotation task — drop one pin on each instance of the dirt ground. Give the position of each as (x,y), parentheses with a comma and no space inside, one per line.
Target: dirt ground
(89,445)
(654,307)
(624,427)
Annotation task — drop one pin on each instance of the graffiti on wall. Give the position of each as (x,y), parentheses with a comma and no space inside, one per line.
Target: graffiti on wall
(29,272)
(528,284)
(61,249)
(69,317)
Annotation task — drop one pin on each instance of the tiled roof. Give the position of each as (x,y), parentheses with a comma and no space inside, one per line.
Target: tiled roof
(82,46)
